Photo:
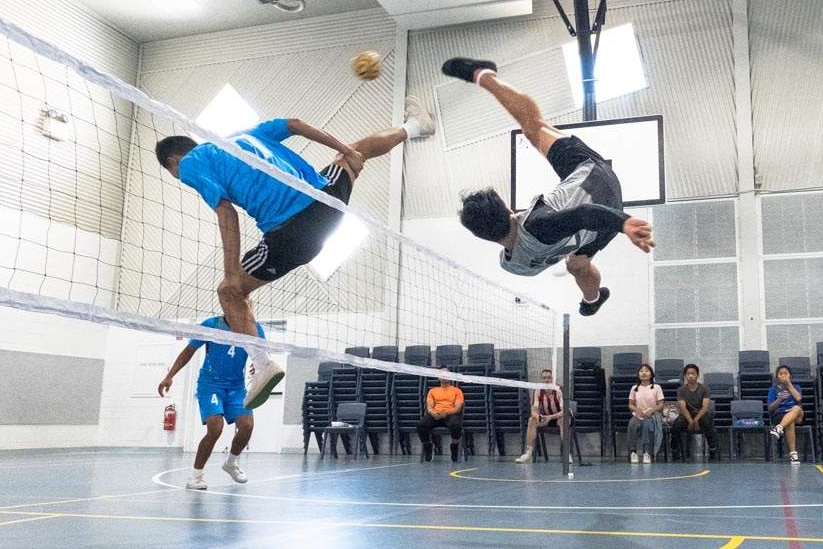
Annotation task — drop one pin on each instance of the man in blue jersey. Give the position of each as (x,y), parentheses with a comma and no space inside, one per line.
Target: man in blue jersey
(220,393)
(573,222)
(293,224)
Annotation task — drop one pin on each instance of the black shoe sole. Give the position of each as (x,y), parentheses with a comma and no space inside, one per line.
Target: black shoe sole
(464,67)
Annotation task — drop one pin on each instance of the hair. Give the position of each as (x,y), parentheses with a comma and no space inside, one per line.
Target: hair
(783,367)
(170,146)
(688,367)
(485,214)
(651,381)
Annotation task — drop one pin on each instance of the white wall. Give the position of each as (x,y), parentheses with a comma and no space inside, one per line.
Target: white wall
(624,320)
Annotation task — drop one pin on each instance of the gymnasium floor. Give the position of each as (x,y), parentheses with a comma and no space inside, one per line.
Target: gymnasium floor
(134,498)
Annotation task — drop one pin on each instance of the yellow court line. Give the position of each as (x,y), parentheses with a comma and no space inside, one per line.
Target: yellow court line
(29,519)
(734,543)
(78,500)
(459,474)
(819,468)
(491,529)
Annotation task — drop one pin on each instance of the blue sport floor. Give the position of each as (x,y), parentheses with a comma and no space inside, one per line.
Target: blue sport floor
(116,498)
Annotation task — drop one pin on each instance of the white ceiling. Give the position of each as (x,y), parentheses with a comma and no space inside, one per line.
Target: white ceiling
(149,20)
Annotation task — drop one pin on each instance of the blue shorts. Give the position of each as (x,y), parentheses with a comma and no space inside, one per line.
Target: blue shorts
(219,401)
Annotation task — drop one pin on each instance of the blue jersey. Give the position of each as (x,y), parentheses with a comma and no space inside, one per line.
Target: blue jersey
(216,175)
(788,403)
(224,365)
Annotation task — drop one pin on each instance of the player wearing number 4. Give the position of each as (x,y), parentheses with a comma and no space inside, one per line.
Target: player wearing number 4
(293,224)
(220,393)
(575,221)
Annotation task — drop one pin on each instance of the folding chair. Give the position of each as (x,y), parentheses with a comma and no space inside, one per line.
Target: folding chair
(350,420)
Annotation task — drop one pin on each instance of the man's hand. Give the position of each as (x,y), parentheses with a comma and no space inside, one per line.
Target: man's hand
(351,159)
(692,425)
(639,232)
(164,386)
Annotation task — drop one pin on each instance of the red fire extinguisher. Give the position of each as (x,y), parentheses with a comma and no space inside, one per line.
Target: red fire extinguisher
(169,418)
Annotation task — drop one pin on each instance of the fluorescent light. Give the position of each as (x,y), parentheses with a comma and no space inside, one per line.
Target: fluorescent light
(227,113)
(339,246)
(617,71)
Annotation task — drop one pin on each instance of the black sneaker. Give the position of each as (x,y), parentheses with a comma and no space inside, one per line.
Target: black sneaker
(588,309)
(455,449)
(427,451)
(714,455)
(464,68)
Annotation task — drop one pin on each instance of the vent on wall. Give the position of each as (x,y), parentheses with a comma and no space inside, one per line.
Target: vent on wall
(424,15)
(291,6)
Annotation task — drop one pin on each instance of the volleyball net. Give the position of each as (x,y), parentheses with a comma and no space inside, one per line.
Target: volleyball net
(92,228)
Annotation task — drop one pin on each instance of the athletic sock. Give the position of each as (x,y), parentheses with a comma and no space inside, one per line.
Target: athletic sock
(593,300)
(259,357)
(196,473)
(480,73)
(231,459)
(412,128)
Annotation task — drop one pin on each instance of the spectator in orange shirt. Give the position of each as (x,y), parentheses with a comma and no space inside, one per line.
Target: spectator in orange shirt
(444,406)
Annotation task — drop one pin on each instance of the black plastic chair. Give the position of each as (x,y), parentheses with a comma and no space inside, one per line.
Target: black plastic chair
(626,364)
(747,417)
(668,369)
(350,420)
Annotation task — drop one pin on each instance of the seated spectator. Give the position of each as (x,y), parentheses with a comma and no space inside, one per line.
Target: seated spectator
(546,409)
(693,402)
(785,410)
(646,424)
(444,407)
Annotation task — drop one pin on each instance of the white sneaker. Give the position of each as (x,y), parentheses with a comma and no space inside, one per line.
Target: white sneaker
(236,472)
(416,110)
(647,458)
(196,483)
(633,458)
(794,459)
(777,431)
(261,381)
(525,458)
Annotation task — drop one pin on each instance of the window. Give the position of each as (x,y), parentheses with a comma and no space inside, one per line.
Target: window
(618,69)
(339,246)
(227,113)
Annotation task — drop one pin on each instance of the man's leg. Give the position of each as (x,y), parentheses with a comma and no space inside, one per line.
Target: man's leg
(531,439)
(243,429)
(424,429)
(418,124)
(585,275)
(521,106)
(214,428)
(707,426)
(265,374)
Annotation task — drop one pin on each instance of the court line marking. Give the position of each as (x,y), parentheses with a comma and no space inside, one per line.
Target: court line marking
(819,468)
(734,543)
(459,474)
(156,478)
(492,529)
(29,519)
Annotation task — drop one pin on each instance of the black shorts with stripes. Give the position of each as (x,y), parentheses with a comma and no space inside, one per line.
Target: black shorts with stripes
(298,240)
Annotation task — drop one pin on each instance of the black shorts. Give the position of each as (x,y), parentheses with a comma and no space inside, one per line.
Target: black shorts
(778,417)
(298,240)
(565,155)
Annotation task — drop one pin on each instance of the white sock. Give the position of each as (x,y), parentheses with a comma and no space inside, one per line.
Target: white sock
(196,473)
(482,73)
(259,357)
(231,459)
(593,300)
(529,450)
(412,128)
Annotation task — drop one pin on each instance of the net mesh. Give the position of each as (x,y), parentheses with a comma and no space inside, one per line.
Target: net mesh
(93,228)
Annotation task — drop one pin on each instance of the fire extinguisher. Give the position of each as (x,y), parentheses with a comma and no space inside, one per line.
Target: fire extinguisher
(169,418)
